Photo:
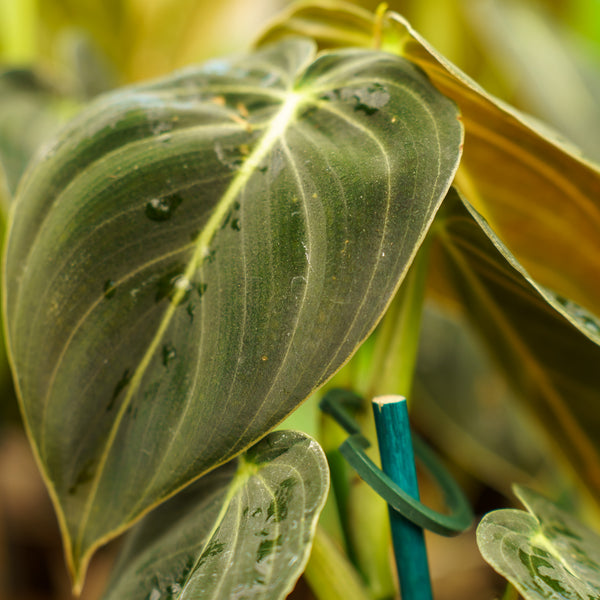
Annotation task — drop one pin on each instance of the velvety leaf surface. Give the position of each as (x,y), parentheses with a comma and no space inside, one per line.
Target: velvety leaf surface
(193,257)
(547,346)
(243,531)
(538,195)
(545,553)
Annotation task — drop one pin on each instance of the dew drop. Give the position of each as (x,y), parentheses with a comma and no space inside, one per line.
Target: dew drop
(175,286)
(121,385)
(227,219)
(169,354)
(190,310)
(110,289)
(264,358)
(231,157)
(162,209)
(181,289)
(201,288)
(174,589)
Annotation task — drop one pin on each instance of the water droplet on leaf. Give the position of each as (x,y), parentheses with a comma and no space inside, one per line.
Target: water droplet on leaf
(121,385)
(174,589)
(110,289)
(230,156)
(175,286)
(162,209)
(191,307)
(168,354)
(201,288)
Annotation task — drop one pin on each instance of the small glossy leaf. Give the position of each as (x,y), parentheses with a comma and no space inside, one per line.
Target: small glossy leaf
(195,256)
(548,347)
(546,554)
(244,531)
(540,197)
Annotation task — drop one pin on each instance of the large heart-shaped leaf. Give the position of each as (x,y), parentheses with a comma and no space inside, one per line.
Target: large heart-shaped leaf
(535,190)
(545,553)
(243,531)
(195,256)
(548,347)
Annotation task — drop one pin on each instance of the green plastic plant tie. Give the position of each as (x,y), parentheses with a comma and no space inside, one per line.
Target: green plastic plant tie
(398,462)
(459,516)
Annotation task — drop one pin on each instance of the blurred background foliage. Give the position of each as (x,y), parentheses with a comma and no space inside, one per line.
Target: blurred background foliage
(541,56)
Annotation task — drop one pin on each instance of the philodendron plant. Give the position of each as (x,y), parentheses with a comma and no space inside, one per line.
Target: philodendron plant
(194,257)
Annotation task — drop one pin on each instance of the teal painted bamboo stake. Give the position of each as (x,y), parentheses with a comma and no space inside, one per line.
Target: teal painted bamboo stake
(397,461)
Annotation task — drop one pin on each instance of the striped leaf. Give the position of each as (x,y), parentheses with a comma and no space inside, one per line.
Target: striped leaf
(193,257)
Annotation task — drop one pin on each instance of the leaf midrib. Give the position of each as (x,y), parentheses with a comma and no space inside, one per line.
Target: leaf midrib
(278,126)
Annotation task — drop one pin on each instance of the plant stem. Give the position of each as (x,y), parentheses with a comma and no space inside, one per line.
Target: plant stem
(397,342)
(329,574)
(510,592)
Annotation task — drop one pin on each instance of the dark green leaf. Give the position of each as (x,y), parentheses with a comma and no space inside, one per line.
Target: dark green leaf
(546,553)
(194,257)
(244,531)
